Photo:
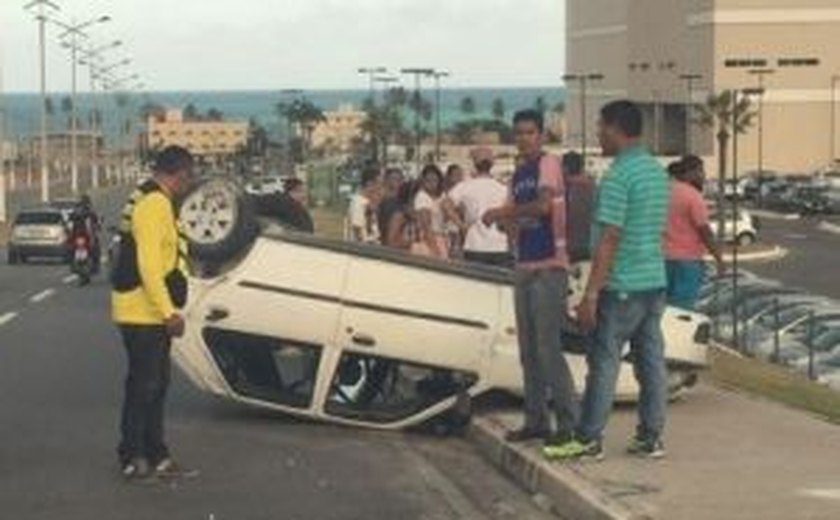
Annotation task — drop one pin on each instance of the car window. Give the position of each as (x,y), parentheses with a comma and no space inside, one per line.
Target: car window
(45,218)
(381,390)
(266,368)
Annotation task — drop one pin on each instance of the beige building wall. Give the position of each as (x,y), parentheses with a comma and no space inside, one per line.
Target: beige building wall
(201,138)
(340,129)
(643,51)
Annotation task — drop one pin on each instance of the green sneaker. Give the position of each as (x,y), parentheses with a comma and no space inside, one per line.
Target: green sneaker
(646,449)
(574,450)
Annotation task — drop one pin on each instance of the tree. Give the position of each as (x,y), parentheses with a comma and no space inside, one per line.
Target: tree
(214,114)
(540,105)
(303,115)
(723,115)
(384,124)
(468,106)
(191,113)
(499,109)
(49,108)
(67,109)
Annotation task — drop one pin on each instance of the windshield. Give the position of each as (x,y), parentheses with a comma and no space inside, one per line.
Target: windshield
(45,218)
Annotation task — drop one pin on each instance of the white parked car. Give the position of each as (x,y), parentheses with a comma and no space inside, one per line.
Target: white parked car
(269,185)
(362,335)
(741,230)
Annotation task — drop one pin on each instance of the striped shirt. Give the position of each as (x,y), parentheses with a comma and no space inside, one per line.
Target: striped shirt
(634,197)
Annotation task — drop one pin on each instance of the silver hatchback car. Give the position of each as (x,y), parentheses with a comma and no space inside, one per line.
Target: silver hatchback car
(38,233)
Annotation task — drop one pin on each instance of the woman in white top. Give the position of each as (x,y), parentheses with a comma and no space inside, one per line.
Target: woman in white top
(428,206)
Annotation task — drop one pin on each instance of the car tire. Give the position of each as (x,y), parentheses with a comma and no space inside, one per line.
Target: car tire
(218,220)
(746,239)
(12,257)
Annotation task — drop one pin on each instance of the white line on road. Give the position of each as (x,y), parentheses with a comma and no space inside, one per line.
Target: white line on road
(830,494)
(7,318)
(70,279)
(41,296)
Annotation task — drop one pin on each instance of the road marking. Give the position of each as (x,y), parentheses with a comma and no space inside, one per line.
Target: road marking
(796,236)
(70,279)
(41,296)
(7,318)
(829,494)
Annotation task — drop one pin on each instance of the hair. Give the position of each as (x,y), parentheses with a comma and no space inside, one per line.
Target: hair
(530,116)
(484,166)
(173,159)
(623,115)
(572,163)
(291,184)
(681,168)
(407,192)
(432,169)
(452,169)
(390,172)
(369,176)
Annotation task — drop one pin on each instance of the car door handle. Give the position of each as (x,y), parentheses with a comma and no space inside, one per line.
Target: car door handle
(217,314)
(364,340)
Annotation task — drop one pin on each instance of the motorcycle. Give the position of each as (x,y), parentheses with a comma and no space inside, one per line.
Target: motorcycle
(82,261)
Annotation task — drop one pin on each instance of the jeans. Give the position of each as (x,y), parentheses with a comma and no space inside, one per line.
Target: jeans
(492,259)
(148,349)
(635,317)
(685,278)
(540,298)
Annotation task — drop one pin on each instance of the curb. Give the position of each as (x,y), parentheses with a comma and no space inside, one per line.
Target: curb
(773,254)
(829,227)
(577,497)
(773,215)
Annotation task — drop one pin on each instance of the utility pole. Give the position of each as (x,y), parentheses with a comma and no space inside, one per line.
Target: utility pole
(372,73)
(583,80)
(438,75)
(834,80)
(761,73)
(418,74)
(42,8)
(690,80)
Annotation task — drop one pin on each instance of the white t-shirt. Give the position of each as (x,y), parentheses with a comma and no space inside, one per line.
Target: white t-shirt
(361,216)
(424,201)
(477,196)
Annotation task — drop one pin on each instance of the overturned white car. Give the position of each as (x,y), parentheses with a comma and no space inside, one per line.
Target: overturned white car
(357,334)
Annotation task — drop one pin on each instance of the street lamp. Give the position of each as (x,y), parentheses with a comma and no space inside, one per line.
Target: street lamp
(835,78)
(690,80)
(584,80)
(759,91)
(74,31)
(438,75)
(418,73)
(385,81)
(371,73)
(41,8)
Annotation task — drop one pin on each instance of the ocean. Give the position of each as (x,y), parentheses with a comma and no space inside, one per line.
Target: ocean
(22,115)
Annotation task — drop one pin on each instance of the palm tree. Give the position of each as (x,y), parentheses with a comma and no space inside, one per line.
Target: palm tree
(305,116)
(67,109)
(499,109)
(540,105)
(49,107)
(725,116)
(214,114)
(191,113)
(468,106)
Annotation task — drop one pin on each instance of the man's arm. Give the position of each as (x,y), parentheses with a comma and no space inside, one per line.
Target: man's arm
(708,238)
(150,217)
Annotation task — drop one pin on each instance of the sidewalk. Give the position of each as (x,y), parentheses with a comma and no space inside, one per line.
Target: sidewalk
(729,457)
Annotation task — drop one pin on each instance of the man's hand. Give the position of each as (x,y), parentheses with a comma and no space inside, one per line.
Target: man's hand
(720,265)
(491,217)
(175,326)
(587,312)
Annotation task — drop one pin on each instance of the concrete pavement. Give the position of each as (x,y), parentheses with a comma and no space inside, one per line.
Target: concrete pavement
(730,457)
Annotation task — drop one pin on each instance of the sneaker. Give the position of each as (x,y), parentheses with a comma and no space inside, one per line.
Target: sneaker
(574,450)
(646,449)
(169,469)
(526,434)
(136,469)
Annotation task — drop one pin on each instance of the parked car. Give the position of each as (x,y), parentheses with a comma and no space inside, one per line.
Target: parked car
(742,229)
(760,340)
(363,335)
(794,339)
(41,233)
(66,207)
(268,185)
(751,310)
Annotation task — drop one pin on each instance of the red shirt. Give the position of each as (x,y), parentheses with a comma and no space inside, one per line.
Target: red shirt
(687,215)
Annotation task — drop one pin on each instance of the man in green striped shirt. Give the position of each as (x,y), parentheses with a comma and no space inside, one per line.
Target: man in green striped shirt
(625,298)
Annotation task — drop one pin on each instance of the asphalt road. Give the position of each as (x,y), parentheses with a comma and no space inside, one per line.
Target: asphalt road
(61,370)
(813,261)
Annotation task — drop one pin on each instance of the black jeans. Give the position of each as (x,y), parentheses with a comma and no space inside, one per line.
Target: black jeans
(149,368)
(492,259)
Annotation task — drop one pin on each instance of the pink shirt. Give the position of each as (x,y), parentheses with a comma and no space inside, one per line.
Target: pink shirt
(687,215)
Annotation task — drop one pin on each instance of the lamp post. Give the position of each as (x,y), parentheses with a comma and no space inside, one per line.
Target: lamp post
(760,73)
(74,31)
(835,78)
(41,8)
(583,80)
(690,80)
(372,73)
(91,55)
(438,75)
(385,81)
(418,74)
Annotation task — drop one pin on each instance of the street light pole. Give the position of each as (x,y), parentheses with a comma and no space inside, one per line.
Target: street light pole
(371,73)
(438,75)
(418,73)
(43,6)
(91,54)
(690,80)
(583,80)
(835,78)
(761,73)
(385,80)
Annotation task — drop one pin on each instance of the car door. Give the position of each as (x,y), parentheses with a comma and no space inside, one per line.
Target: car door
(260,333)
(411,339)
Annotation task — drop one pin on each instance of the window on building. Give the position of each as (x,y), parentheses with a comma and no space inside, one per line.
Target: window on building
(799,62)
(745,63)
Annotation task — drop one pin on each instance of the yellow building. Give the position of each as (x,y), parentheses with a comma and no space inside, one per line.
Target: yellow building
(340,129)
(202,138)
(647,49)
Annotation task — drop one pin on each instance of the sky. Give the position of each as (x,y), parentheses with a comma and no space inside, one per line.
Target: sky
(311,44)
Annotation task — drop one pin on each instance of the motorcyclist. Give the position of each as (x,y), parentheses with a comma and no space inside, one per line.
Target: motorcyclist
(86,223)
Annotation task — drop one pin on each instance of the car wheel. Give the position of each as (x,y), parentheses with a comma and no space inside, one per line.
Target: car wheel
(746,239)
(12,257)
(218,221)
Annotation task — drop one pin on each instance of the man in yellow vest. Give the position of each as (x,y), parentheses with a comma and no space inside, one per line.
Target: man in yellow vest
(149,288)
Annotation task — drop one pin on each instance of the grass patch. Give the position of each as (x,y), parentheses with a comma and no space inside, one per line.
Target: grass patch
(774,382)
